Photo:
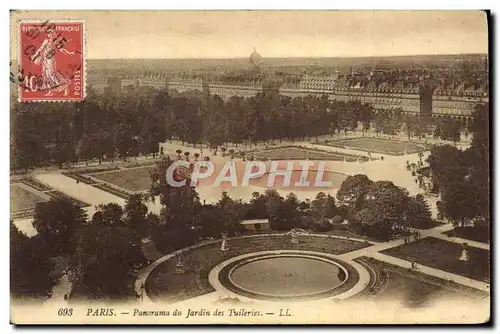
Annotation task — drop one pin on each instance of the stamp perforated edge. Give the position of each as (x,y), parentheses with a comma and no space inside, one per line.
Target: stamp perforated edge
(84,58)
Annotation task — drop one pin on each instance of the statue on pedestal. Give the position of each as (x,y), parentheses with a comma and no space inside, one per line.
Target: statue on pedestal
(180,267)
(465,253)
(223,246)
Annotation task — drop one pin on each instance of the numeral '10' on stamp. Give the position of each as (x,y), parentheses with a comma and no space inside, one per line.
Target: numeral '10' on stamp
(51,61)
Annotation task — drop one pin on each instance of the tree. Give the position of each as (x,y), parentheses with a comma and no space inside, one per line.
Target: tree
(232,212)
(104,256)
(323,206)
(30,266)
(330,209)
(135,212)
(411,123)
(256,208)
(181,206)
(274,210)
(122,139)
(318,205)
(418,214)
(56,222)
(450,130)
(448,165)
(210,221)
(290,206)
(459,202)
(28,150)
(83,149)
(353,191)
(110,215)
(168,239)
(384,208)
(479,155)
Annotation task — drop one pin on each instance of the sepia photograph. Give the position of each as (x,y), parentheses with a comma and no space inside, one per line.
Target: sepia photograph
(249,167)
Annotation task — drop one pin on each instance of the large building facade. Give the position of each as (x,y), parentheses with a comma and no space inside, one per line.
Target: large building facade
(410,94)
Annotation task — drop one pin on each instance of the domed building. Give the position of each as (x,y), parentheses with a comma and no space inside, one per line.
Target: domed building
(255,58)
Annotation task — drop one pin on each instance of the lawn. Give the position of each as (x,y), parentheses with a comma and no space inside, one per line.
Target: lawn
(300,153)
(416,289)
(376,145)
(444,255)
(470,233)
(165,284)
(22,199)
(133,179)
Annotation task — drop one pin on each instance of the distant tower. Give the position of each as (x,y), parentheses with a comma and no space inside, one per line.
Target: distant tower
(205,88)
(255,59)
(426,90)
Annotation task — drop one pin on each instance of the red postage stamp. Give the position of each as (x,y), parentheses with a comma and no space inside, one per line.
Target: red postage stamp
(51,62)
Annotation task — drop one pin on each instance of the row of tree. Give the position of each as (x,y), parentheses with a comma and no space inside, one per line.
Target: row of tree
(107,126)
(462,176)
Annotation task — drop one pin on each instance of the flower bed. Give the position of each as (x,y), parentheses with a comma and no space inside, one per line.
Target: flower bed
(378,145)
(34,183)
(79,177)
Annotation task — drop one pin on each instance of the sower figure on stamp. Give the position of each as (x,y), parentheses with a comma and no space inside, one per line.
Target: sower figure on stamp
(52,80)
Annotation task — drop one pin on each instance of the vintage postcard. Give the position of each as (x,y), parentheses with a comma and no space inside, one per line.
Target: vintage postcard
(250,167)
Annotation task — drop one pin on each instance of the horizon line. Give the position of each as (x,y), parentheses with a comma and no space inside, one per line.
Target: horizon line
(298,57)
(302,57)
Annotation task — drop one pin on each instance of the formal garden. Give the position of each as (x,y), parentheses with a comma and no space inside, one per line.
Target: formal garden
(378,145)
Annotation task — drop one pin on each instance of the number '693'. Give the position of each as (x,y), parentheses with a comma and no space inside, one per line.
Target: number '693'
(62,312)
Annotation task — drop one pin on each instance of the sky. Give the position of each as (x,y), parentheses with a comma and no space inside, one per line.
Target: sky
(234,34)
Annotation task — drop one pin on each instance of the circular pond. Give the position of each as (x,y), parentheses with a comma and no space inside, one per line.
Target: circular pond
(287,276)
